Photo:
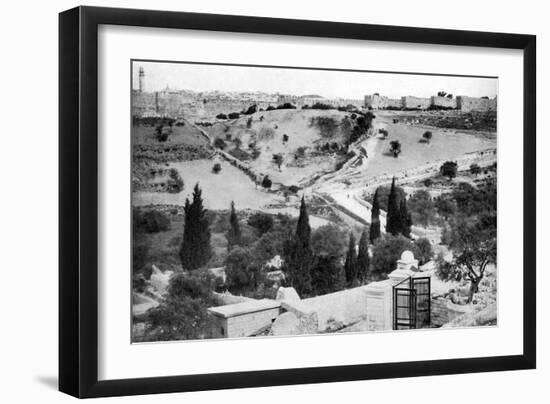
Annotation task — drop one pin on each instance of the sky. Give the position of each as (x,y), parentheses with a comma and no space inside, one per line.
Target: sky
(329,84)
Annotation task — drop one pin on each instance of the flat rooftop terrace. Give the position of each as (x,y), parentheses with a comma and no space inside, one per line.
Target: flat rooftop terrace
(238,309)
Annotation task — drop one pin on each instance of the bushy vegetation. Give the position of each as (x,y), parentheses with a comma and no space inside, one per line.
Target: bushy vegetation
(220,143)
(174,184)
(449,169)
(327,125)
(149,221)
(182,315)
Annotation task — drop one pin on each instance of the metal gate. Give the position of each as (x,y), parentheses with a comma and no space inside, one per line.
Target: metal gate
(411,303)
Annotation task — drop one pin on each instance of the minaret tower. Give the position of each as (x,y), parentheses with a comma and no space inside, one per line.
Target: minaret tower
(141,83)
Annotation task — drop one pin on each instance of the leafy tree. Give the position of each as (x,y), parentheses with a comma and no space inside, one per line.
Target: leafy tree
(422,207)
(174,183)
(395,147)
(183,314)
(428,182)
(150,221)
(328,246)
(363,258)
(350,266)
(386,251)
(298,254)
(220,143)
(233,115)
(393,219)
(261,222)
(234,236)
(278,159)
(195,250)
(266,182)
(445,206)
(242,271)
(216,168)
(423,250)
(251,110)
(405,219)
(327,274)
(427,136)
(449,169)
(383,193)
(285,138)
(374,231)
(221,116)
(474,244)
(475,169)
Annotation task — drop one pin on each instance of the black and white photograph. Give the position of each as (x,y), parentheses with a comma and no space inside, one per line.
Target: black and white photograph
(274,201)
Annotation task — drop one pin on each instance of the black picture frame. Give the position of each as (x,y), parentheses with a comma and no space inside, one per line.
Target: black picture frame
(78,201)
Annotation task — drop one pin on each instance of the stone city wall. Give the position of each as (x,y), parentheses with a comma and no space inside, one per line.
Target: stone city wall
(462,103)
(411,102)
(443,102)
(467,104)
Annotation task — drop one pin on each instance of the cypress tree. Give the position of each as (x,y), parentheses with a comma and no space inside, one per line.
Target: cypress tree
(405,219)
(195,250)
(363,259)
(234,234)
(374,231)
(393,218)
(299,256)
(350,267)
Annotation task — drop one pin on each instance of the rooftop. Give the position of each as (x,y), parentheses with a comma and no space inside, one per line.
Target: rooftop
(250,306)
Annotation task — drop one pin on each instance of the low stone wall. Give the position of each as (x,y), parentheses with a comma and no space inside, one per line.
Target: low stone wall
(344,307)
(443,311)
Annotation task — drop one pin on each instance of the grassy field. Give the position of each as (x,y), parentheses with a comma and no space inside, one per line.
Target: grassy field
(218,190)
(444,145)
(145,135)
(266,131)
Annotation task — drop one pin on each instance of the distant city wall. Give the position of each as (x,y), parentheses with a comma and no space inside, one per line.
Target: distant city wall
(468,104)
(411,102)
(443,102)
(462,103)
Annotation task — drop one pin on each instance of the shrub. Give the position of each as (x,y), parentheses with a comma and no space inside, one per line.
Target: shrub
(423,250)
(428,182)
(427,136)
(386,251)
(327,126)
(320,105)
(251,110)
(220,143)
(175,182)
(150,221)
(221,116)
(216,168)
(233,115)
(286,105)
(261,222)
(449,169)
(475,169)
(266,182)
